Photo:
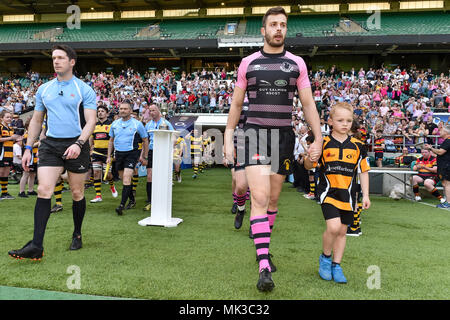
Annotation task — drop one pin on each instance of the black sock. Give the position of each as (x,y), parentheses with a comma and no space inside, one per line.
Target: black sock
(131,195)
(78,209)
(335,264)
(149,192)
(126,193)
(41,216)
(326,255)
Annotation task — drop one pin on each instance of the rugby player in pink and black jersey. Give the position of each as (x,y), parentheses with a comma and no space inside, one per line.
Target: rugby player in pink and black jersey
(270,77)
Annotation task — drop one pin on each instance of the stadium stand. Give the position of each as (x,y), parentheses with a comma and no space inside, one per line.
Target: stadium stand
(207,28)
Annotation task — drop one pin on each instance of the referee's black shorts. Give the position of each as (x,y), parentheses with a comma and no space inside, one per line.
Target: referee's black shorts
(259,150)
(51,153)
(126,159)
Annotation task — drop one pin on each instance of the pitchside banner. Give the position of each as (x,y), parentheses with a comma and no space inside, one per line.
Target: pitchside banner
(184,124)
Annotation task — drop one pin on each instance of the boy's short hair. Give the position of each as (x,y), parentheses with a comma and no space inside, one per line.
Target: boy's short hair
(341,105)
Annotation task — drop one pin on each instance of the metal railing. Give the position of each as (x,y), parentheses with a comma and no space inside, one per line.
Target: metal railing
(400,146)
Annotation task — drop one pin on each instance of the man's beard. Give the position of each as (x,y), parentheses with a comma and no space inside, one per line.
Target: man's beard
(273,43)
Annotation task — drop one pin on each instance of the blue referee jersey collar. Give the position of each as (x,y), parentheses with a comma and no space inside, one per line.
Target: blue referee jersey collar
(156,123)
(65,82)
(126,122)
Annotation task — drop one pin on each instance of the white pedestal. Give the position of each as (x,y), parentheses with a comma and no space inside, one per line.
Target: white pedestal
(161,213)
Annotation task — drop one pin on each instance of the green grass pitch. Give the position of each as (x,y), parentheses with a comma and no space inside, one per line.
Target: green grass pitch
(206,258)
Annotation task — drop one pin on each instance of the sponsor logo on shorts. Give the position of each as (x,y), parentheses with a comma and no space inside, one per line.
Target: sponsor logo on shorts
(258,157)
(287,164)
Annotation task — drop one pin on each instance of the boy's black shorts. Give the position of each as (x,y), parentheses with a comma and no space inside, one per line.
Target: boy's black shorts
(51,153)
(329,212)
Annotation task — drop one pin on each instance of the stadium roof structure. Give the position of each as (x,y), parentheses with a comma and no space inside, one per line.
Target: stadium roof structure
(308,34)
(59,6)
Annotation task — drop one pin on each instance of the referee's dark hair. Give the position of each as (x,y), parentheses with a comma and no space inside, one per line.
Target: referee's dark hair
(273,11)
(68,50)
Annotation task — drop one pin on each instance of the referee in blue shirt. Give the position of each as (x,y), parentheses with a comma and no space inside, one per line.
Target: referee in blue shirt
(123,139)
(71,109)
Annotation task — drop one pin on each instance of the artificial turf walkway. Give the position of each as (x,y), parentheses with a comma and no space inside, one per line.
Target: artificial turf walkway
(206,258)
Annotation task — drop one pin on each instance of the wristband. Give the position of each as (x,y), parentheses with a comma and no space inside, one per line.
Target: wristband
(79,143)
(29,148)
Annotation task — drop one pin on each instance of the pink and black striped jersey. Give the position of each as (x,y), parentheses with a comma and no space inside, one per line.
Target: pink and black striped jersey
(271,81)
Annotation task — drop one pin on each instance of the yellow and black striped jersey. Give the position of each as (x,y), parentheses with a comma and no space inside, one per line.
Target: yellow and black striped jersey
(6,147)
(178,148)
(101,136)
(338,168)
(140,142)
(196,144)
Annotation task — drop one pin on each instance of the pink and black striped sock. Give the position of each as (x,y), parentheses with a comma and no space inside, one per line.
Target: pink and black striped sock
(240,201)
(261,238)
(248,194)
(234,197)
(272,216)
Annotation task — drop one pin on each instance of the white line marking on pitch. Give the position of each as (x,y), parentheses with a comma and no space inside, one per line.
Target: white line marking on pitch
(431,205)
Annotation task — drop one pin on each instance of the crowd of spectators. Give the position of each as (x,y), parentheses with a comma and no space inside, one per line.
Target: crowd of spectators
(399,102)
(394,107)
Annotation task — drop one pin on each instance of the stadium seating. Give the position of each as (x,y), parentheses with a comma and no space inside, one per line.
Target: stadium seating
(406,23)
(104,31)
(208,28)
(191,28)
(10,33)
(390,24)
(308,25)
